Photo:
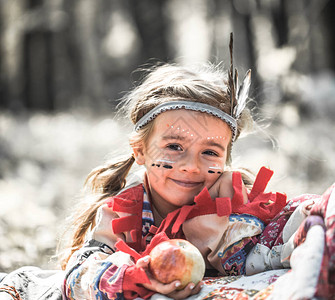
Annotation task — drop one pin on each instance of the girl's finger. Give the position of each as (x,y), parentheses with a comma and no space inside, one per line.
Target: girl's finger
(143,262)
(165,289)
(197,288)
(190,289)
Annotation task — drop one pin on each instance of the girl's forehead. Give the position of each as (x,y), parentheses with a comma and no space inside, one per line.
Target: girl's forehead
(192,124)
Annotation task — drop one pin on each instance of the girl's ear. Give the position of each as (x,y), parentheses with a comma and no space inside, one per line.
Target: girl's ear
(139,155)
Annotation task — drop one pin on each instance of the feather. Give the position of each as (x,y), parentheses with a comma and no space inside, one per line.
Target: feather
(242,95)
(236,82)
(231,86)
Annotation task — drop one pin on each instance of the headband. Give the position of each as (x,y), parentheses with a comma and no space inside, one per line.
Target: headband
(238,96)
(188,105)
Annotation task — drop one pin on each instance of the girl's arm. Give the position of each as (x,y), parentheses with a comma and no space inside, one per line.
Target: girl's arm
(99,271)
(90,269)
(96,273)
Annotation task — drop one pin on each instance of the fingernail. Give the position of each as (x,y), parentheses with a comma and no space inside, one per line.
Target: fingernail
(177,284)
(146,259)
(192,286)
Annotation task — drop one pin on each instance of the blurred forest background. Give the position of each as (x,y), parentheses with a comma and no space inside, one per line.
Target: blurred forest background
(65,63)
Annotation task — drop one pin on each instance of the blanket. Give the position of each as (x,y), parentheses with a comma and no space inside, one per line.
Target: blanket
(302,238)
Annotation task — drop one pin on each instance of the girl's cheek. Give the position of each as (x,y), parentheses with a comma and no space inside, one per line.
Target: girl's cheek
(215,168)
(167,164)
(215,171)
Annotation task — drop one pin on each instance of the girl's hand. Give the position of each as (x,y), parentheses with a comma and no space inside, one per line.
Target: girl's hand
(223,187)
(169,289)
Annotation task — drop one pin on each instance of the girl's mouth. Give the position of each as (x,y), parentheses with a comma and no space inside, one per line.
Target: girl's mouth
(187,183)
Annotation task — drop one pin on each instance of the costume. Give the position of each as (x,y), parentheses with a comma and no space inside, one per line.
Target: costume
(224,230)
(301,238)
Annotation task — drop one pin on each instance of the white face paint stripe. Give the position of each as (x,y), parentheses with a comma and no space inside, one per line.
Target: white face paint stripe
(215,168)
(165,161)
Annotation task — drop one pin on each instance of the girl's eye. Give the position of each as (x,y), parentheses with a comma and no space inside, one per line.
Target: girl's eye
(175,147)
(210,152)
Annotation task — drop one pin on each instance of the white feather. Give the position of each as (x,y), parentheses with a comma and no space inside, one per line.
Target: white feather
(242,95)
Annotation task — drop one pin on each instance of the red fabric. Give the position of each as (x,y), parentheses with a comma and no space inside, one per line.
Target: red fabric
(263,177)
(124,247)
(134,277)
(182,215)
(122,204)
(157,239)
(264,206)
(130,201)
(204,205)
(131,287)
(124,224)
(174,220)
(260,207)
(223,206)
(167,222)
(237,182)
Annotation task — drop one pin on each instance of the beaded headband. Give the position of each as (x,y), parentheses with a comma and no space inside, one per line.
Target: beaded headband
(188,105)
(238,98)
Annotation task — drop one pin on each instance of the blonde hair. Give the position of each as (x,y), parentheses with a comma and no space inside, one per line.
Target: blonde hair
(161,84)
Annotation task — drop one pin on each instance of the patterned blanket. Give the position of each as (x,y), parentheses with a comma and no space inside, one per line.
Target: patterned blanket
(305,231)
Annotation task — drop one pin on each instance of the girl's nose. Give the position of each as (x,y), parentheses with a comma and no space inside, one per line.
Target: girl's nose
(190,164)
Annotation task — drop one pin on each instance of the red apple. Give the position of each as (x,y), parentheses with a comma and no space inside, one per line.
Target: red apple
(177,259)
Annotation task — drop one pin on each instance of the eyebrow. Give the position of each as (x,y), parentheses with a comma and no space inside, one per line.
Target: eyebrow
(174,137)
(183,138)
(214,144)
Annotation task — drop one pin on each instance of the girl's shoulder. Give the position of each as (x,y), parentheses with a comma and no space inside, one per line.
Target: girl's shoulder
(133,180)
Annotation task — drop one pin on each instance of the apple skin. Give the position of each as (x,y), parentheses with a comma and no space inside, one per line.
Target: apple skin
(177,259)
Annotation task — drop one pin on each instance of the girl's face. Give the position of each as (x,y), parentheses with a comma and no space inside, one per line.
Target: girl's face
(186,152)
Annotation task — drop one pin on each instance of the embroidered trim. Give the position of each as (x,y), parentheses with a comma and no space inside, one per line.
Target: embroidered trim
(189,105)
(10,290)
(102,246)
(147,215)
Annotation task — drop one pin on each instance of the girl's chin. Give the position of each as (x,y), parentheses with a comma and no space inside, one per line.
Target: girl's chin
(181,200)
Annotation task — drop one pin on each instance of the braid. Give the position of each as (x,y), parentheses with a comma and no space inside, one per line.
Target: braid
(105,181)
(111,178)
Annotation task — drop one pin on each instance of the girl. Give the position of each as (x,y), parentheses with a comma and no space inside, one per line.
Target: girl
(185,124)
(186,121)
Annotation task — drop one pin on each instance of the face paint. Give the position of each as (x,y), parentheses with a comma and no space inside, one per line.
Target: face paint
(164,163)
(218,137)
(218,170)
(177,128)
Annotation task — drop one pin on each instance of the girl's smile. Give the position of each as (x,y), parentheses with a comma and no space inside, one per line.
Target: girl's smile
(187,183)
(185,153)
